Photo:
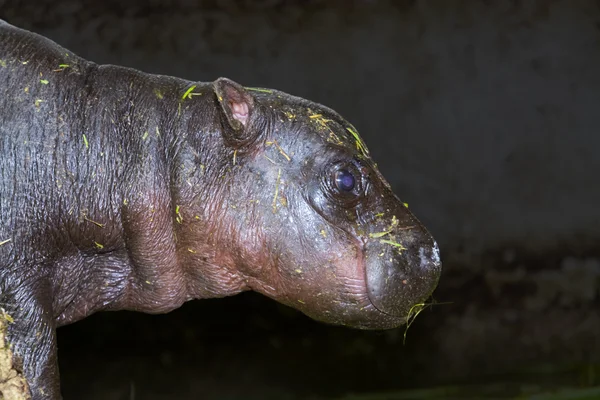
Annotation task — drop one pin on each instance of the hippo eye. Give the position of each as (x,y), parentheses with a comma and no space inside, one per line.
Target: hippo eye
(344,180)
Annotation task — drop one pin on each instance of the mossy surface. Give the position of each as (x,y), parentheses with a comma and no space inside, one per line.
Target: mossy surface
(13,385)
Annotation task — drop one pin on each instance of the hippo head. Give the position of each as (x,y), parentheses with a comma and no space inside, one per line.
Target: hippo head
(299,212)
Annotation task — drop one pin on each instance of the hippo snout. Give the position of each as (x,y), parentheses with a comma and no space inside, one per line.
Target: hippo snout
(401,270)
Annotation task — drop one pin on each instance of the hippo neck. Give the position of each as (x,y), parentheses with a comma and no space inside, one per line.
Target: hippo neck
(163,132)
(173,261)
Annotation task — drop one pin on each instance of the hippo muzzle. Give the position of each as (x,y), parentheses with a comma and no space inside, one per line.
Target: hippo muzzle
(402,269)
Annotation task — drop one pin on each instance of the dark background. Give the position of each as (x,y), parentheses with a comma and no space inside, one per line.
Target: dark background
(483,115)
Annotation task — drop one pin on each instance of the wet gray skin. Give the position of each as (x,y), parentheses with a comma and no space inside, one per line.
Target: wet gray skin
(126,190)
(345,254)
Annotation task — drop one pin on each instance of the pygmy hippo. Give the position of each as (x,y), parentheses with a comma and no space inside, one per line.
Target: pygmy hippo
(122,190)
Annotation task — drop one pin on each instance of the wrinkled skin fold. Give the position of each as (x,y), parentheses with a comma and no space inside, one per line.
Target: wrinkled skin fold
(125,190)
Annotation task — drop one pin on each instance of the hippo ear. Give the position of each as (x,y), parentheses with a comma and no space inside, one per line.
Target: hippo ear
(237,106)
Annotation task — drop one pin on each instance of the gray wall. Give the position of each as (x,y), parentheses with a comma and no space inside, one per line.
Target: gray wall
(483,115)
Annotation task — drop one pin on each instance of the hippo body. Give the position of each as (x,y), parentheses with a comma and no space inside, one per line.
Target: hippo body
(122,190)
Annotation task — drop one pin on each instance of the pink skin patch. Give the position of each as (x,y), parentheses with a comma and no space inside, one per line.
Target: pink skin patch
(240,111)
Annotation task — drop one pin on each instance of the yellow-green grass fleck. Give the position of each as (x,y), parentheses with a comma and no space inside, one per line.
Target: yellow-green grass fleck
(100,246)
(178,216)
(6,316)
(98,224)
(234,156)
(377,235)
(392,243)
(38,102)
(359,143)
(2,63)
(85,141)
(255,89)
(270,159)
(301,302)
(190,92)
(44,81)
(159,94)
(393,224)
(145,136)
(283,153)
(3,242)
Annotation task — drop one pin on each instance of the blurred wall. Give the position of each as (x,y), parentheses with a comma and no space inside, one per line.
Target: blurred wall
(483,115)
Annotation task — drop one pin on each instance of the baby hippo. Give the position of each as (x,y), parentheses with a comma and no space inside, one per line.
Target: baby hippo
(122,190)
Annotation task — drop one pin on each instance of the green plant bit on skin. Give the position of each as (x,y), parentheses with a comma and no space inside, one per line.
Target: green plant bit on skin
(191,251)
(158,94)
(85,141)
(38,102)
(234,156)
(387,231)
(276,191)
(2,63)
(259,90)
(178,217)
(321,121)
(145,135)
(99,245)
(44,81)
(93,222)
(62,67)
(392,243)
(188,93)
(359,143)
(283,153)
(405,205)
(3,242)
(301,302)
(272,162)
(7,317)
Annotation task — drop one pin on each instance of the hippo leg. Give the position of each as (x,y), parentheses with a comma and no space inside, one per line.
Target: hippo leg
(31,335)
